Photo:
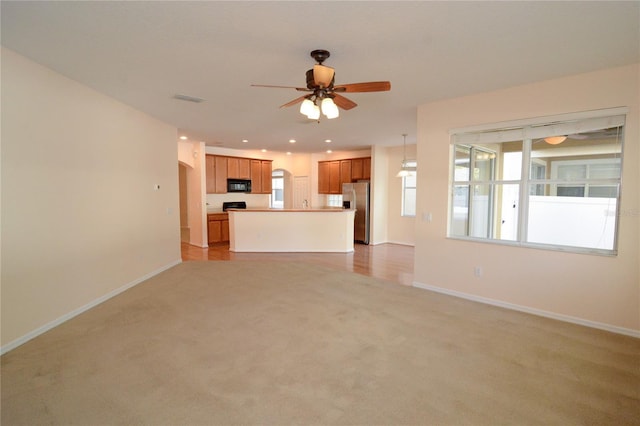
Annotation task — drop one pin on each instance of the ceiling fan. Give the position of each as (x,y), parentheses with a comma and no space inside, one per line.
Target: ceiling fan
(323,94)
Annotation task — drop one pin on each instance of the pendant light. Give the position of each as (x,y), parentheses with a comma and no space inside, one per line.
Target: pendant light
(405,170)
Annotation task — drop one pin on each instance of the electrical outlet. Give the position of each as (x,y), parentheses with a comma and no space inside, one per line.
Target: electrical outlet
(477,271)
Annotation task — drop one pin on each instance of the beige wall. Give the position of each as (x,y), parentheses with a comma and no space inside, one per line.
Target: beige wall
(379,195)
(81,219)
(191,154)
(597,290)
(400,229)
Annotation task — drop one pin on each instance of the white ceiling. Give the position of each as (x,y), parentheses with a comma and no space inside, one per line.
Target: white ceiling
(143,53)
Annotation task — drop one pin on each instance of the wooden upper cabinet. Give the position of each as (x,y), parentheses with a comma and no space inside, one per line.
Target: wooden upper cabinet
(357,165)
(238,168)
(366,168)
(323,177)
(266,176)
(210,173)
(233,168)
(221,174)
(261,176)
(345,172)
(332,174)
(335,185)
(244,168)
(219,168)
(256,176)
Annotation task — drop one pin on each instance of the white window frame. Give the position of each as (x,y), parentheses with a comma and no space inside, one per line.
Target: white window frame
(414,165)
(528,130)
(276,176)
(588,164)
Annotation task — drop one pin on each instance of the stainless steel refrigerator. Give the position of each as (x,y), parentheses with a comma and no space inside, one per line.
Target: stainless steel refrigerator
(356,196)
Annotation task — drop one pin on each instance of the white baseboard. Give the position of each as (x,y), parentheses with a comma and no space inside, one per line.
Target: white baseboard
(400,243)
(533,311)
(66,317)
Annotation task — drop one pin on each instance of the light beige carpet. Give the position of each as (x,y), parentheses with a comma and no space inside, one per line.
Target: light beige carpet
(220,343)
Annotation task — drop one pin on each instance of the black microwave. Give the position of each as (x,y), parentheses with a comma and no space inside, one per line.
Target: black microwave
(238,185)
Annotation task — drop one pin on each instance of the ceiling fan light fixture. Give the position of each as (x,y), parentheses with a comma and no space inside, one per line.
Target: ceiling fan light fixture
(329,108)
(555,140)
(306,107)
(314,114)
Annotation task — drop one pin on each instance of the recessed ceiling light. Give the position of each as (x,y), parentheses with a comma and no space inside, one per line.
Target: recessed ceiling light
(245,140)
(288,152)
(329,151)
(327,140)
(184,138)
(263,150)
(292,141)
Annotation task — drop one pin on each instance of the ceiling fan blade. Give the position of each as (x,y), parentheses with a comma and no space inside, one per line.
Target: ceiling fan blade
(293,102)
(343,102)
(303,89)
(323,75)
(371,86)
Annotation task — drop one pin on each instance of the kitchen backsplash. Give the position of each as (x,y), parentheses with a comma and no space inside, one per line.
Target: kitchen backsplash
(214,201)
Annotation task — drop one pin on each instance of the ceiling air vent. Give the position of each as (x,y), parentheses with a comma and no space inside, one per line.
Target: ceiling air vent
(188,98)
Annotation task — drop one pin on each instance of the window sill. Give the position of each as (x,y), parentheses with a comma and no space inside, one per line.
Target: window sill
(547,247)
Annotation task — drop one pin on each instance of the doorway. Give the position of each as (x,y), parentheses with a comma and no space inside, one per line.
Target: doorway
(185,233)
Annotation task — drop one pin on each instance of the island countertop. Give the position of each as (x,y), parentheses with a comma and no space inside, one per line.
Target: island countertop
(328,210)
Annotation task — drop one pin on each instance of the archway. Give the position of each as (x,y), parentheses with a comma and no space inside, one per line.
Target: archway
(281,189)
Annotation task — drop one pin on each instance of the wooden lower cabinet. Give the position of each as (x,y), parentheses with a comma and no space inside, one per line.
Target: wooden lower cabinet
(218,228)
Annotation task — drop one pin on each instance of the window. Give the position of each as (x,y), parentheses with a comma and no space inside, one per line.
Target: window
(277,189)
(409,191)
(515,185)
(334,200)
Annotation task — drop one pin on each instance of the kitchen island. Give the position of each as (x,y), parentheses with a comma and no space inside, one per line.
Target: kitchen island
(291,230)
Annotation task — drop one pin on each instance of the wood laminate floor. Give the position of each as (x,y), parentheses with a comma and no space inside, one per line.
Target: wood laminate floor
(391,262)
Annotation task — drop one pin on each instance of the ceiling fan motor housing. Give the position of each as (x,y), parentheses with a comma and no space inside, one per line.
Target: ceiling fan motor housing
(320,55)
(311,83)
